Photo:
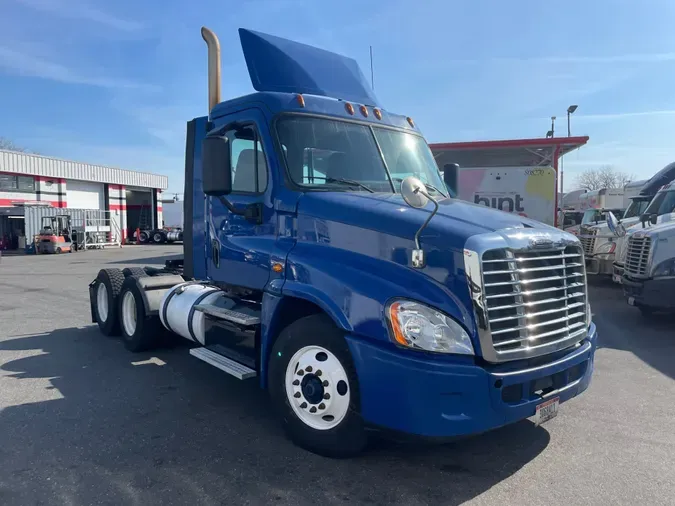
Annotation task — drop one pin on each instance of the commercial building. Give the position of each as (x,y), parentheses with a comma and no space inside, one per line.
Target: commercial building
(126,199)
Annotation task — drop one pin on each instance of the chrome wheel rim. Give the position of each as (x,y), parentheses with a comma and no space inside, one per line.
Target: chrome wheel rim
(129,313)
(317,388)
(102,302)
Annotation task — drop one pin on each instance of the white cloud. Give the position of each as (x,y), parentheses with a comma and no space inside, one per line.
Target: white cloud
(27,65)
(83,11)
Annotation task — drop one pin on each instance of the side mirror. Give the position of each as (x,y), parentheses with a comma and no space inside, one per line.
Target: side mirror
(216,166)
(615,225)
(451,177)
(653,218)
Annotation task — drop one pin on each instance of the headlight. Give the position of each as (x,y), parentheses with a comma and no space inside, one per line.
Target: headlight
(420,327)
(666,268)
(606,248)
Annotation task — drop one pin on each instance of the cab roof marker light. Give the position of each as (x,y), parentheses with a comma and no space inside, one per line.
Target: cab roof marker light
(377,113)
(300,99)
(410,121)
(364,111)
(349,108)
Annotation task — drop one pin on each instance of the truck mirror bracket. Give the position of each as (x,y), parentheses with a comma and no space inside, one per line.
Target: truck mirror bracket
(252,212)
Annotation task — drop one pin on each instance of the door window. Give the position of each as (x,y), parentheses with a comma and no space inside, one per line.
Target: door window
(249,167)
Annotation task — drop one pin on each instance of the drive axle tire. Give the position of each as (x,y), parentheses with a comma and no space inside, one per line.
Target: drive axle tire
(134,271)
(106,293)
(140,332)
(315,390)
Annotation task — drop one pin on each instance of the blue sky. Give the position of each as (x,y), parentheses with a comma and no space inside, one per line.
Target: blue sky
(114,82)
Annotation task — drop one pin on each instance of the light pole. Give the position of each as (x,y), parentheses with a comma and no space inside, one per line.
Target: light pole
(570,111)
(552,126)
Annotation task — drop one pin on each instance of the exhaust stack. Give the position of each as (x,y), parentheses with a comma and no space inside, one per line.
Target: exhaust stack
(214,66)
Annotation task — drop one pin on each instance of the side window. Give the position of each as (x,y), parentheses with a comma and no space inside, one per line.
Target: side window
(249,167)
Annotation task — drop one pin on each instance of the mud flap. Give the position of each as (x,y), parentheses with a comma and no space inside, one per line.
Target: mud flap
(92,295)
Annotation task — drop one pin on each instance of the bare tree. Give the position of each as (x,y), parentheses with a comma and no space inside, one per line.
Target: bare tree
(8,145)
(602,177)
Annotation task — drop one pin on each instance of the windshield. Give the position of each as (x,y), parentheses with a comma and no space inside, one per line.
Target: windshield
(593,215)
(636,208)
(340,156)
(663,203)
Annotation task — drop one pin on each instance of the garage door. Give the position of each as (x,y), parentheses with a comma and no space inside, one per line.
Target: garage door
(84,195)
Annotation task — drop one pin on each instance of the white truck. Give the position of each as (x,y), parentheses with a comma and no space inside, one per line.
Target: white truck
(598,240)
(649,273)
(660,209)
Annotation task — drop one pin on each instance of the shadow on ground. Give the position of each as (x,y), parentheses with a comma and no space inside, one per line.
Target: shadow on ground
(165,428)
(622,327)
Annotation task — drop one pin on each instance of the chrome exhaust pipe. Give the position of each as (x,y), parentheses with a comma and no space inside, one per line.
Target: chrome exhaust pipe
(214,66)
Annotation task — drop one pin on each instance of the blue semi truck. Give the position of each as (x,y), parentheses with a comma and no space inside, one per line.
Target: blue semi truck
(323,257)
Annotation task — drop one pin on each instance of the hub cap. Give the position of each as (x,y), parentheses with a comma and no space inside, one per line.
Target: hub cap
(129,313)
(102,302)
(317,387)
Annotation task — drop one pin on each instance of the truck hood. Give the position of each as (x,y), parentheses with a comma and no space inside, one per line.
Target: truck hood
(455,221)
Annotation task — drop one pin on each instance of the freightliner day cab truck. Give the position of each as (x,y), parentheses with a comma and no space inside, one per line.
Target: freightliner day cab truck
(322,257)
(661,208)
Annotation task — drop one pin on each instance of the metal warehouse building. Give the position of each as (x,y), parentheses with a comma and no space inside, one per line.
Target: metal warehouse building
(124,199)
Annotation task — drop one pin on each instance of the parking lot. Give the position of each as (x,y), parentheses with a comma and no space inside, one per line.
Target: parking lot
(82,421)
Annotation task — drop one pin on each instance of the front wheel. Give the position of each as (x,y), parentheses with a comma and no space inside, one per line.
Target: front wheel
(314,387)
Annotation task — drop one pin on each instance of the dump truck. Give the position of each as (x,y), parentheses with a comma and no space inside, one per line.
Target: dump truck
(324,259)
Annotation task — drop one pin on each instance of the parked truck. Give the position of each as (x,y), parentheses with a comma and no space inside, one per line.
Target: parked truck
(656,205)
(323,257)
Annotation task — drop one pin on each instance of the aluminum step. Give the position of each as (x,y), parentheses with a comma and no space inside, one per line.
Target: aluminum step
(236,369)
(228,314)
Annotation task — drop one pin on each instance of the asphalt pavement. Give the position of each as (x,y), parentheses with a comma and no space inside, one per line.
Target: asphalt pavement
(84,422)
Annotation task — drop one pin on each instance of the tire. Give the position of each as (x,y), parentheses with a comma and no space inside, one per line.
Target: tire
(143,237)
(306,340)
(139,272)
(107,291)
(59,251)
(140,332)
(159,237)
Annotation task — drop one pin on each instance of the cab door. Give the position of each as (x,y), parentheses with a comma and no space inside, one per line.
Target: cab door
(239,244)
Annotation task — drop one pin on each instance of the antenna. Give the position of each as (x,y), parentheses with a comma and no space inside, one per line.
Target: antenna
(372,74)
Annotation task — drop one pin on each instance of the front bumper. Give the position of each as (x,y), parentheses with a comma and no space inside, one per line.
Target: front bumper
(653,293)
(427,396)
(617,273)
(600,264)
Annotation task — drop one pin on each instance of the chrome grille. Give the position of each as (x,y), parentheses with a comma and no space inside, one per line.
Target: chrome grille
(587,239)
(637,255)
(534,298)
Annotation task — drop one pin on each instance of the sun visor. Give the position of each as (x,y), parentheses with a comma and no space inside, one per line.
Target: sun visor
(281,65)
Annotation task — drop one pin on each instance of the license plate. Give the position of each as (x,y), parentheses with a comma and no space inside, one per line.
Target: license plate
(631,301)
(616,278)
(546,410)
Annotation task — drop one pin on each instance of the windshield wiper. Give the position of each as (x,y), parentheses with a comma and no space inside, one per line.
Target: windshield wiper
(349,182)
(428,186)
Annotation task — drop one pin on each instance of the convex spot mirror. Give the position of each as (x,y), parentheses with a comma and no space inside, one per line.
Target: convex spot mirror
(615,225)
(410,191)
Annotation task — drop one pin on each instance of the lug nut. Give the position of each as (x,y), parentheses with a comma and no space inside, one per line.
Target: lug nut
(312,409)
(296,395)
(308,368)
(303,405)
(322,406)
(325,383)
(326,396)
(319,373)
(301,372)
(296,383)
